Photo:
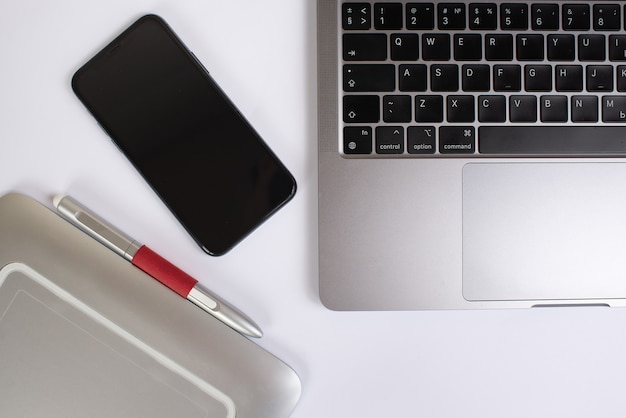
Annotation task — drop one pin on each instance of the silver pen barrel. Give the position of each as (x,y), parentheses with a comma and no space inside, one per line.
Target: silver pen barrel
(127,247)
(97,228)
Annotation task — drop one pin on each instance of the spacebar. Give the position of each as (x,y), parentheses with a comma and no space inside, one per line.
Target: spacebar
(552,139)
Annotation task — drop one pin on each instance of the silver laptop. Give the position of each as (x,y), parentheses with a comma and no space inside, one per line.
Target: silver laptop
(85,334)
(471,154)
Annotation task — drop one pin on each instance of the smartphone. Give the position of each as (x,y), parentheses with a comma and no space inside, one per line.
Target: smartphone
(168,116)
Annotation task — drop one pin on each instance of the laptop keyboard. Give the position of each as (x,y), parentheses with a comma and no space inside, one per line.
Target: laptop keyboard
(490,79)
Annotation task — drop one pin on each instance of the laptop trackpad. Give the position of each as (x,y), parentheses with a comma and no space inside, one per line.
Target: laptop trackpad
(544,231)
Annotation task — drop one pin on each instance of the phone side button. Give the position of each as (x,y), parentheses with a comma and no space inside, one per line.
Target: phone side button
(199,62)
(109,136)
(104,130)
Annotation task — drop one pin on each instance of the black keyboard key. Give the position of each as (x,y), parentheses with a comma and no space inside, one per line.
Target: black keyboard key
(584,108)
(483,16)
(507,78)
(568,78)
(553,108)
(599,78)
(412,77)
(476,77)
(369,77)
(451,16)
(420,140)
(538,78)
(389,140)
(544,16)
(561,48)
(614,109)
(530,47)
(361,109)
(522,108)
(460,109)
(429,108)
(514,16)
(365,47)
(420,16)
(388,16)
(621,78)
(457,140)
(606,17)
(468,47)
(444,77)
(551,140)
(617,47)
(436,47)
(499,47)
(357,140)
(404,47)
(576,17)
(591,47)
(397,108)
(356,16)
(491,108)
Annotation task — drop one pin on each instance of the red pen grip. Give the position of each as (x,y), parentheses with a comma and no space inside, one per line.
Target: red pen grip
(164,271)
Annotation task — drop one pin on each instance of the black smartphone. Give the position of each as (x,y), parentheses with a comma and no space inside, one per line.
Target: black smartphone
(163,110)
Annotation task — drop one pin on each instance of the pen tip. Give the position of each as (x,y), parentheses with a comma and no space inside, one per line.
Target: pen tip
(249,328)
(256,333)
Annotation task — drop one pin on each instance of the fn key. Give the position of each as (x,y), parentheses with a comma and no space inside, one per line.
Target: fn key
(357,140)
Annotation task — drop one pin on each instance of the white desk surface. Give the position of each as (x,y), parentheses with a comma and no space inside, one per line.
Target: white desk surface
(517,363)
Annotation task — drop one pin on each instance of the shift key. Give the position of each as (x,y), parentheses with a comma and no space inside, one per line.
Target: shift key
(361,109)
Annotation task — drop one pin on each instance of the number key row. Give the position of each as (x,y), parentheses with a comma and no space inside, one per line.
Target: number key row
(481,16)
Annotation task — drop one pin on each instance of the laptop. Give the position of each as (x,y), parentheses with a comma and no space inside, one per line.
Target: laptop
(471,154)
(84,333)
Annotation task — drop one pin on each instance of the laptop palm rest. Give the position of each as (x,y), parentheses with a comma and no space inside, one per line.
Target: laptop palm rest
(544,231)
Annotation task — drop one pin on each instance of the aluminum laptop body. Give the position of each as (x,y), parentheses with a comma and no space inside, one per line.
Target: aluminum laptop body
(459,231)
(84,333)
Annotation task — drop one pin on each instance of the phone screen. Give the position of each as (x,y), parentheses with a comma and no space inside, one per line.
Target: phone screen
(180,131)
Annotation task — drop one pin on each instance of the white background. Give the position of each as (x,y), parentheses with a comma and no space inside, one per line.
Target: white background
(517,363)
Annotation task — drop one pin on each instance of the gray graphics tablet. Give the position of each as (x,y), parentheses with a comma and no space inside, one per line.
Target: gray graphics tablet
(83,333)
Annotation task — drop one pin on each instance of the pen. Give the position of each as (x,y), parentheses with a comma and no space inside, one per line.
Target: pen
(153,264)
